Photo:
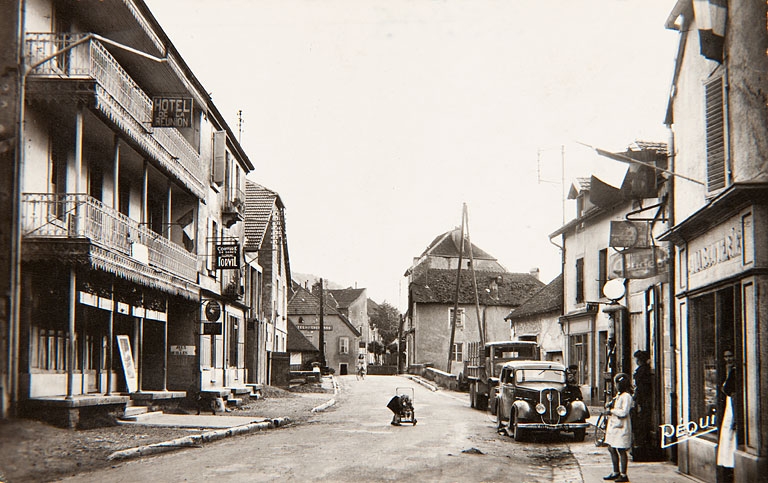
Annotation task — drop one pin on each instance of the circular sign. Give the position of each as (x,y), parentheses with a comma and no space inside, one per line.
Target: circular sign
(212,311)
(614,289)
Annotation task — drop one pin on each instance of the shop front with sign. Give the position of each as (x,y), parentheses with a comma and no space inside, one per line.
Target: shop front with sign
(718,316)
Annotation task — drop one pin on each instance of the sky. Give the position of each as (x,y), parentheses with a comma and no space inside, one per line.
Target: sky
(376,121)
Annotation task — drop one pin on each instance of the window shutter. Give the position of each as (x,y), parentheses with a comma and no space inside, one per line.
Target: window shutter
(715,135)
(579,280)
(219,156)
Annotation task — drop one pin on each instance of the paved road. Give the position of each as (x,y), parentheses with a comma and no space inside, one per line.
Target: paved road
(353,441)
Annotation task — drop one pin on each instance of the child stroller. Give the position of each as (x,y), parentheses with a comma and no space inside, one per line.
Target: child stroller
(401,406)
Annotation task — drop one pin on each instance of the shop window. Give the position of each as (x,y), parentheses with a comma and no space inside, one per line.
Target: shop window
(713,318)
(578,354)
(233,328)
(49,344)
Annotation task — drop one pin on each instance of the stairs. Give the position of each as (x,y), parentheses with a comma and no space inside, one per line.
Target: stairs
(137,413)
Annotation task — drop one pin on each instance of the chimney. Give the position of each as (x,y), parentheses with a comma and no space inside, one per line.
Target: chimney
(534,272)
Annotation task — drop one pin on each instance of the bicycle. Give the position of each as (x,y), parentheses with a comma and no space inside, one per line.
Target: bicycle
(360,373)
(600,425)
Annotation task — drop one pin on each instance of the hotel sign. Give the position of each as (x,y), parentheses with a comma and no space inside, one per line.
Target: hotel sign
(171,112)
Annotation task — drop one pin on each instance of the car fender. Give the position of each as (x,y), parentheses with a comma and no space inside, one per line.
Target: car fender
(578,412)
(524,409)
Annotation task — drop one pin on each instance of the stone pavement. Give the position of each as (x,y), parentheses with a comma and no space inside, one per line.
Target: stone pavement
(595,462)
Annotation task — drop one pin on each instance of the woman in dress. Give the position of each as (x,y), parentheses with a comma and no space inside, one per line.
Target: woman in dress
(618,432)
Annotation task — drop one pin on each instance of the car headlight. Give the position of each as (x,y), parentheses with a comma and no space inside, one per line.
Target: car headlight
(561,410)
(540,408)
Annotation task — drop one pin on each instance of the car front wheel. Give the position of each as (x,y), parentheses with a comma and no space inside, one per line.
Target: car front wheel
(517,432)
(579,434)
(499,422)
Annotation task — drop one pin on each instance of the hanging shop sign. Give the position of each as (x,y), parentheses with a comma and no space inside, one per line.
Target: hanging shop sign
(212,310)
(212,328)
(638,263)
(228,256)
(171,112)
(629,234)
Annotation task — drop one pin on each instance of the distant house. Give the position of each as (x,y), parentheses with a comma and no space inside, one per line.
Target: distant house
(301,351)
(341,337)
(538,320)
(269,274)
(432,296)
(353,303)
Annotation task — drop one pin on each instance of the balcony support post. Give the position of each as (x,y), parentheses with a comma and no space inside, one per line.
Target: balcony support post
(168,208)
(110,345)
(165,345)
(144,192)
(71,330)
(116,176)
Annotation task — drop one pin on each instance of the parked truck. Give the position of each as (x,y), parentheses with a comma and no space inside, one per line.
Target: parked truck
(483,366)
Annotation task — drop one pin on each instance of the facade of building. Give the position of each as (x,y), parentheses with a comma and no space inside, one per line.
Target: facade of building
(131,199)
(718,118)
(269,274)
(616,283)
(353,303)
(432,297)
(538,320)
(340,337)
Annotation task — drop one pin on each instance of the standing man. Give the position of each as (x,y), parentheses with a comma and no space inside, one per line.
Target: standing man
(572,388)
(644,441)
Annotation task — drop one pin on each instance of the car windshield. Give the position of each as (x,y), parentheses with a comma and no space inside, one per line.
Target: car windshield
(540,375)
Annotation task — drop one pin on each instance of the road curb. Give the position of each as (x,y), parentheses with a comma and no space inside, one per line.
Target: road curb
(424,383)
(196,440)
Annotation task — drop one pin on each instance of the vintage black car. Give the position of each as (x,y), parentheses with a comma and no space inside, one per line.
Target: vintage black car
(531,397)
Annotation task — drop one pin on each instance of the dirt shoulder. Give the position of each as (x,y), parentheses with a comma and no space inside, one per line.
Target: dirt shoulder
(34,451)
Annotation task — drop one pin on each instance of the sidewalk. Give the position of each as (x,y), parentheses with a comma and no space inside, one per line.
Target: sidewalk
(595,462)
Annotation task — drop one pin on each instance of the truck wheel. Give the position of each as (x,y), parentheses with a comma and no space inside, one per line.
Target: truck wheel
(482,402)
(579,435)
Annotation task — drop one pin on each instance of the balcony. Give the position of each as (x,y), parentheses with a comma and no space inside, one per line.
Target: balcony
(234,207)
(115,242)
(116,96)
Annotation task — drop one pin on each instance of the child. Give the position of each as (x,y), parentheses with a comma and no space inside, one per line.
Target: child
(618,433)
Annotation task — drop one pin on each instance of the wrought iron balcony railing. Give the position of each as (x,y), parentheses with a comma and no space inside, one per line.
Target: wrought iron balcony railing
(46,215)
(119,97)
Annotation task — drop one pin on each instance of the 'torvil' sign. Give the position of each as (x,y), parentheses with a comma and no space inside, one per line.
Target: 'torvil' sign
(228,256)
(171,112)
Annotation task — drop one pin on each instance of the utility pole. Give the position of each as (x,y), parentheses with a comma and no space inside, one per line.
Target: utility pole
(458,281)
(322,329)
(480,323)
(399,342)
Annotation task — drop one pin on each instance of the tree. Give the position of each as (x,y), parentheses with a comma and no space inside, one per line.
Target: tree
(386,319)
(377,349)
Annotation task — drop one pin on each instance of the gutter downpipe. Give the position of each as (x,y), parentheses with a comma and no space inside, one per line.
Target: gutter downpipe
(14,330)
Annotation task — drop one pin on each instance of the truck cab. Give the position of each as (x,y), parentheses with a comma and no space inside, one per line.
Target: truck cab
(482,367)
